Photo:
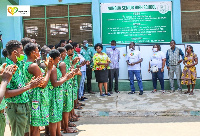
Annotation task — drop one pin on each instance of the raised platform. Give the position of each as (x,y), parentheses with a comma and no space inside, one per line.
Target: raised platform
(124,85)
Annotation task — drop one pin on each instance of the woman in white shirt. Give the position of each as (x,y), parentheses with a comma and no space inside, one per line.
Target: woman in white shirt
(156,67)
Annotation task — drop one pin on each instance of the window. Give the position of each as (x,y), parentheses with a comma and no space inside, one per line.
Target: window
(57,29)
(190,13)
(60,22)
(35,29)
(80,31)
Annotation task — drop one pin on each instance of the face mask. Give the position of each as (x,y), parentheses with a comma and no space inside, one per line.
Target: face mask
(78,49)
(20,58)
(155,49)
(86,45)
(133,48)
(113,47)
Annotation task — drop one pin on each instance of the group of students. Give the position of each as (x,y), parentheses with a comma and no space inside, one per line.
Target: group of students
(41,90)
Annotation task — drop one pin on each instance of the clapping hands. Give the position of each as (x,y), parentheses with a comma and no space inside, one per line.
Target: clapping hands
(76,60)
(7,72)
(36,82)
(49,63)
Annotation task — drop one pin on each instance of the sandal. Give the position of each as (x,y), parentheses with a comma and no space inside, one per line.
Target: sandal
(102,94)
(74,119)
(76,115)
(154,91)
(81,104)
(78,107)
(191,93)
(70,131)
(72,124)
(186,92)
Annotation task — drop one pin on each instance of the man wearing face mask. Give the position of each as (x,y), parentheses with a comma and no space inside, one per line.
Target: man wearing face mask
(133,61)
(173,64)
(113,72)
(88,55)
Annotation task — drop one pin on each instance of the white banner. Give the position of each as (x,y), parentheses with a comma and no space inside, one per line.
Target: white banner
(162,6)
(16,10)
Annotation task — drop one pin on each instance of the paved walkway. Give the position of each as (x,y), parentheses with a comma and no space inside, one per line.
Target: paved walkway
(148,104)
(134,105)
(141,129)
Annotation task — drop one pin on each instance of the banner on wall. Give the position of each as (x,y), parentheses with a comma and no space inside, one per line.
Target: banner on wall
(139,22)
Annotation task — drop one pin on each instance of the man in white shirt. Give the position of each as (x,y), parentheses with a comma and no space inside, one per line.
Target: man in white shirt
(133,60)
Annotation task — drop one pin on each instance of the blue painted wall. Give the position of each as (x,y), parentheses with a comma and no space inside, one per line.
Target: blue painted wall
(10,27)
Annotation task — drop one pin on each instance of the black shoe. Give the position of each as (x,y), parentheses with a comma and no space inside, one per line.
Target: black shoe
(131,92)
(82,99)
(110,92)
(85,98)
(91,92)
(117,91)
(141,93)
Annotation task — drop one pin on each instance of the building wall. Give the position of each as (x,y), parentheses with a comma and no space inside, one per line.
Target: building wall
(10,27)
(96,14)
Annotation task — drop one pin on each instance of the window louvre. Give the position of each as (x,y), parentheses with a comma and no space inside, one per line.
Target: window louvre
(190,20)
(35,29)
(36,12)
(81,29)
(57,11)
(80,9)
(57,29)
(77,24)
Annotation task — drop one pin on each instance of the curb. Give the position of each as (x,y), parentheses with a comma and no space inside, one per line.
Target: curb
(136,113)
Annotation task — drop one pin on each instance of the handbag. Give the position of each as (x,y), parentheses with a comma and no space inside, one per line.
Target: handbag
(154,68)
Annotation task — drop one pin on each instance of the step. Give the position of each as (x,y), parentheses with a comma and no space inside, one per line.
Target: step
(124,85)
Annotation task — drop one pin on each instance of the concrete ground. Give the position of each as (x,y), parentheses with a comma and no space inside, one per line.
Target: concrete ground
(137,126)
(130,107)
(148,104)
(150,129)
